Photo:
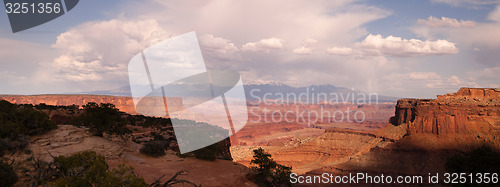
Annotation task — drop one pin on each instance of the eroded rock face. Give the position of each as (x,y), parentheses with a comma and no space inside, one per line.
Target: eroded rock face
(483,93)
(124,104)
(470,110)
(434,130)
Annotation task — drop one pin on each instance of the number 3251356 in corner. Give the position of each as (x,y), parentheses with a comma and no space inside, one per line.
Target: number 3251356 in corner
(33,8)
(471,178)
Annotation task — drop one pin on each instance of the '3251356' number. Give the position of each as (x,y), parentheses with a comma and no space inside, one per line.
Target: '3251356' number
(33,8)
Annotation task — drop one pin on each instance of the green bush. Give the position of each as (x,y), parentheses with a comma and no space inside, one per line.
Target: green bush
(19,122)
(89,169)
(208,153)
(15,120)
(8,176)
(148,121)
(103,118)
(268,172)
(154,148)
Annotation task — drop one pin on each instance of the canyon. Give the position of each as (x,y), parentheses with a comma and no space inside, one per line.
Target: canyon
(431,130)
(410,137)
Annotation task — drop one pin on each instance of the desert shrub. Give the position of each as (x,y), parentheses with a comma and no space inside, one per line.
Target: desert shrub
(15,120)
(148,121)
(210,152)
(8,176)
(154,148)
(35,122)
(268,172)
(19,122)
(11,145)
(89,169)
(103,118)
(43,106)
(480,160)
(206,153)
(174,180)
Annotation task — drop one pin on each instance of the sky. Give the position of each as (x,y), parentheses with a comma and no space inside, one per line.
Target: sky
(402,48)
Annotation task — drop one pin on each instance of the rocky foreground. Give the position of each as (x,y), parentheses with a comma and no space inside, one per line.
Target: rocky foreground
(67,140)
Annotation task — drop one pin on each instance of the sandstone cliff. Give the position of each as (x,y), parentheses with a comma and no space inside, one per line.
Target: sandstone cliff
(470,110)
(435,129)
(124,104)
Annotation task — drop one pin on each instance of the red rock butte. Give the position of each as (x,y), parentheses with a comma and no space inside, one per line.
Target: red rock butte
(470,110)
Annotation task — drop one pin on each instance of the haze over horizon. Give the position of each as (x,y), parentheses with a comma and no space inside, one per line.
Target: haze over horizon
(395,48)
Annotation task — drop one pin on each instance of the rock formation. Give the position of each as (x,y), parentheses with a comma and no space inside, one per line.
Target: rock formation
(470,110)
(434,129)
(124,104)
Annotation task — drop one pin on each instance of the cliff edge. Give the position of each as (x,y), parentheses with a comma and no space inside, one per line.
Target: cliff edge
(470,110)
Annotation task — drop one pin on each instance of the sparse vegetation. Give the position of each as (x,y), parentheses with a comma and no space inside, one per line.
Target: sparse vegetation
(90,169)
(17,122)
(103,118)
(154,148)
(207,153)
(82,169)
(210,152)
(148,121)
(43,106)
(268,172)
(8,176)
(174,180)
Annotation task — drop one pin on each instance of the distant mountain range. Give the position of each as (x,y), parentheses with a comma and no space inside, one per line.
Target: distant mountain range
(279,92)
(311,94)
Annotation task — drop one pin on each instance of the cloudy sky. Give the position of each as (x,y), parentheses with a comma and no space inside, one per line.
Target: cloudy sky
(404,48)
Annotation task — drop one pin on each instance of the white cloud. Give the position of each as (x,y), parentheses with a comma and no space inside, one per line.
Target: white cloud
(425,84)
(341,51)
(303,51)
(218,52)
(482,40)
(100,50)
(495,15)
(250,21)
(396,46)
(11,75)
(451,83)
(310,41)
(217,45)
(445,22)
(423,75)
(467,3)
(78,69)
(487,77)
(263,45)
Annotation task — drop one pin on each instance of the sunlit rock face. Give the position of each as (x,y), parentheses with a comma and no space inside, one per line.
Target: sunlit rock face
(470,110)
